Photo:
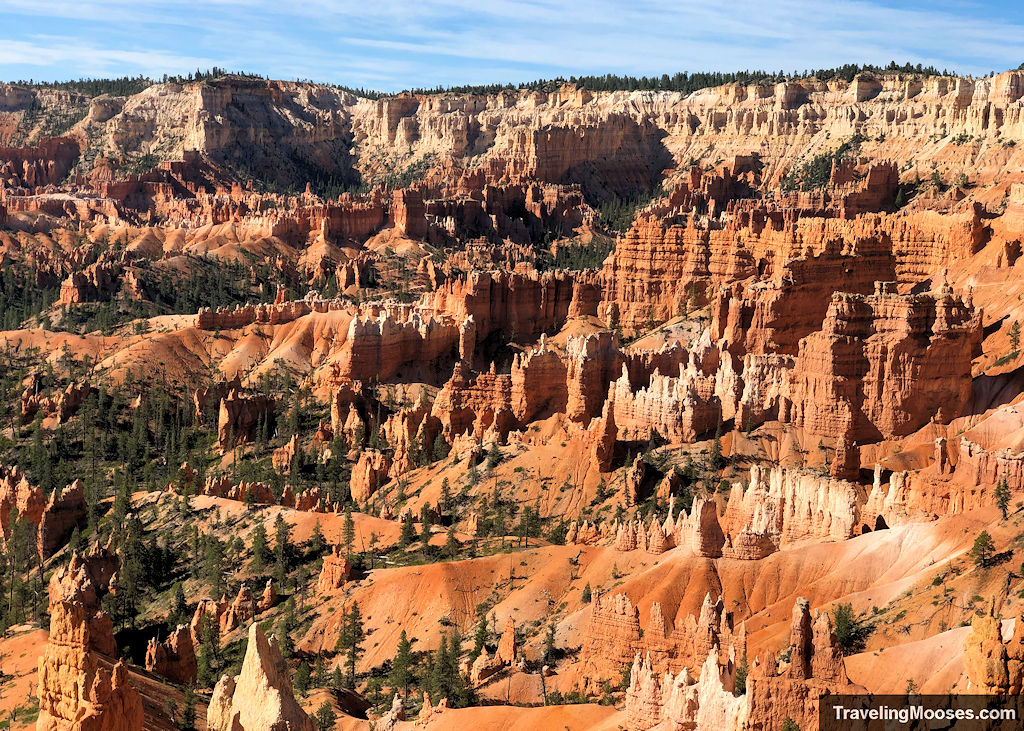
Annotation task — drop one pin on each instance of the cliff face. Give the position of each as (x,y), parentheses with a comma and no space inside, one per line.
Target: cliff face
(774,693)
(43,164)
(884,365)
(566,134)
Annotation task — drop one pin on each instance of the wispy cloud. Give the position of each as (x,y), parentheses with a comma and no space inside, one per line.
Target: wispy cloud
(392,45)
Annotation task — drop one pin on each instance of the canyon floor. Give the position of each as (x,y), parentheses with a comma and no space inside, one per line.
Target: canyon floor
(546,408)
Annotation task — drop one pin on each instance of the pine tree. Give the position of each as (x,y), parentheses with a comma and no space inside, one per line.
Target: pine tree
(440,673)
(425,524)
(441,448)
(742,670)
(446,678)
(317,542)
(479,638)
(401,667)
(75,542)
(319,672)
(716,447)
(493,456)
(325,717)
(213,564)
(1002,496)
(204,672)
(284,639)
(585,596)
(1015,336)
(982,550)
(188,715)
(179,608)
(408,534)
(302,679)
(260,554)
(451,545)
(353,636)
(446,497)
(348,531)
(282,549)
(131,576)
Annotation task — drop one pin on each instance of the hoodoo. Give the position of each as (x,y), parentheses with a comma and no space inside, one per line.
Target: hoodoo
(666,403)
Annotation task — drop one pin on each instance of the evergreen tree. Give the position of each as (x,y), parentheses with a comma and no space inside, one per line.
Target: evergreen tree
(284,639)
(131,576)
(850,632)
(408,534)
(982,550)
(188,715)
(213,564)
(441,448)
(715,460)
(75,542)
(401,667)
(479,637)
(446,497)
(325,717)
(204,672)
(319,672)
(425,524)
(1002,495)
(493,456)
(179,608)
(441,670)
(348,531)
(351,640)
(446,679)
(742,670)
(302,679)
(317,542)
(282,549)
(260,553)
(451,545)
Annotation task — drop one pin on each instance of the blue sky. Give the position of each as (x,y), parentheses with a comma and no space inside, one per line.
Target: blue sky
(391,45)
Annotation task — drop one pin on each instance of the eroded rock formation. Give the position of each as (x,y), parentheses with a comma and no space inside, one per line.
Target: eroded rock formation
(260,696)
(173,658)
(80,684)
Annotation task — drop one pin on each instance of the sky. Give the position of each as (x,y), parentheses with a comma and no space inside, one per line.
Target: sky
(389,45)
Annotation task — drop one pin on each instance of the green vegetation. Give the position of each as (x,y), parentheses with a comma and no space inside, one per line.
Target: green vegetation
(686,82)
(20,296)
(814,174)
(576,257)
(742,671)
(982,550)
(1002,496)
(617,214)
(851,632)
(120,86)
